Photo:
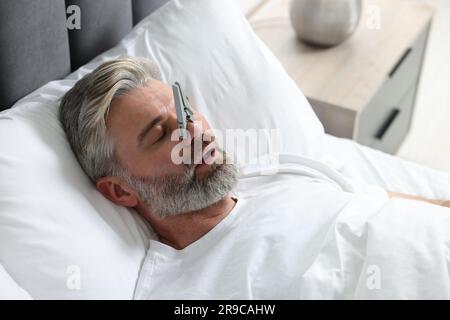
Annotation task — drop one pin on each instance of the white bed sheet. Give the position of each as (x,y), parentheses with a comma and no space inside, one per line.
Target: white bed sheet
(381,169)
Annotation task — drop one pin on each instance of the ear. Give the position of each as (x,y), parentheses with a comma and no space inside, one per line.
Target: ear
(116,191)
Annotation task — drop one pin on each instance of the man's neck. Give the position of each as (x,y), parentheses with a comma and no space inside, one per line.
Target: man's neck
(183,229)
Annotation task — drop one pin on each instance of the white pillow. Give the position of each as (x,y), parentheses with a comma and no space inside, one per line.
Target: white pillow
(9,289)
(59,238)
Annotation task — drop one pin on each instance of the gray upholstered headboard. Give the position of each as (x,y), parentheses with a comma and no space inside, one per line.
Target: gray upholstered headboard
(36,46)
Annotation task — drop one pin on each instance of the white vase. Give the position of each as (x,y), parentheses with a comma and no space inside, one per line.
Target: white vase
(325,22)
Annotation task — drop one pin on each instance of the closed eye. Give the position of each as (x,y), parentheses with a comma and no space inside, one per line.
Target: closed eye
(160,136)
(163,134)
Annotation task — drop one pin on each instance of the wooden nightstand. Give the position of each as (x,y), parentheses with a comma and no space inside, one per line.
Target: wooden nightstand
(364,88)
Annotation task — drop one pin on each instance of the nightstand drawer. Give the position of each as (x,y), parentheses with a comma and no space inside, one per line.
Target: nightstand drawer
(406,71)
(396,125)
(389,104)
(384,124)
(383,117)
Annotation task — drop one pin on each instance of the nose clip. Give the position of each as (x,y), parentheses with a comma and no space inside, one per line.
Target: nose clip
(183,109)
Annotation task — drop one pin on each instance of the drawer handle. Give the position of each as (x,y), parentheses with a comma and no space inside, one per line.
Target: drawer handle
(387,123)
(399,63)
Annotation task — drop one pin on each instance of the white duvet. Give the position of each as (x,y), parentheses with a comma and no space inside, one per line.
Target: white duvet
(304,233)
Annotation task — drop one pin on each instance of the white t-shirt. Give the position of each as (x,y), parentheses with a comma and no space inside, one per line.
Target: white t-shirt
(261,250)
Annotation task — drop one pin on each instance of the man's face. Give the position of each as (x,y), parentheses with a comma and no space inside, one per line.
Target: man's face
(148,152)
(141,124)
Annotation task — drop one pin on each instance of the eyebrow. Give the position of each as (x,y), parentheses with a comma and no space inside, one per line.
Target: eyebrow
(148,128)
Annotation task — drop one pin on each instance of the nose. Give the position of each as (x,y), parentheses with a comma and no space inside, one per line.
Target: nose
(193,128)
(197,141)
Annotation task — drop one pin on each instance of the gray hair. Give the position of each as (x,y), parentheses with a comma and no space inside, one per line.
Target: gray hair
(84,109)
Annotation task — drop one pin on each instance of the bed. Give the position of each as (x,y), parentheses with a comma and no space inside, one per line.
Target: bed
(43,50)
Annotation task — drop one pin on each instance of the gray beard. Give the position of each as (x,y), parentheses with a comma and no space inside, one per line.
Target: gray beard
(172,195)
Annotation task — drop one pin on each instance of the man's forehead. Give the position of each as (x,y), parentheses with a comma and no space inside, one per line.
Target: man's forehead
(151,98)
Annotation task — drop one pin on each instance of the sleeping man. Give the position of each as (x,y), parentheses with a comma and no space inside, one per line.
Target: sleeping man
(222,236)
